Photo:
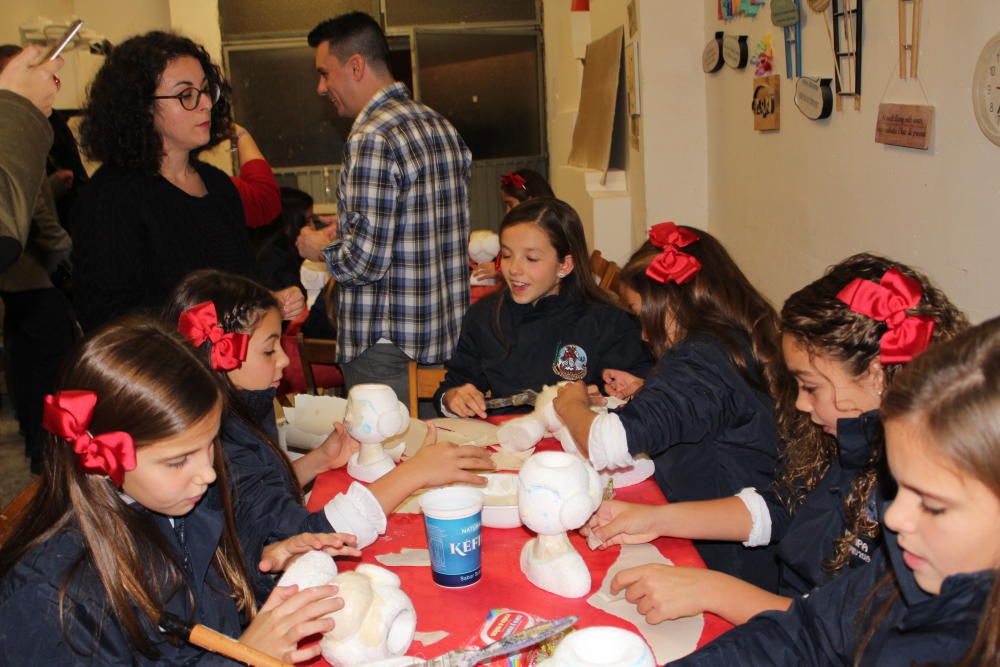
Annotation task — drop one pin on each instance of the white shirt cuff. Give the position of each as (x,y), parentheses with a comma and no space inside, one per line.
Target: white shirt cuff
(760,515)
(445,411)
(608,443)
(357,512)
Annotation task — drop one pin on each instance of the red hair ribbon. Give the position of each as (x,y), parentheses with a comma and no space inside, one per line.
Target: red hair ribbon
(887,301)
(67,415)
(200,323)
(672,264)
(513,180)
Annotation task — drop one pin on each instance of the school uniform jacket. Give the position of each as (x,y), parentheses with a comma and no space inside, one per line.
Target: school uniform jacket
(824,627)
(710,434)
(806,538)
(554,340)
(265,508)
(30,630)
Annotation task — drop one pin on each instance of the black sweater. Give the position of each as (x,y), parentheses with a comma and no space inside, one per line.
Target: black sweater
(599,335)
(136,235)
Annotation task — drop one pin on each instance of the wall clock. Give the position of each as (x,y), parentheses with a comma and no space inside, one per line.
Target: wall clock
(986,90)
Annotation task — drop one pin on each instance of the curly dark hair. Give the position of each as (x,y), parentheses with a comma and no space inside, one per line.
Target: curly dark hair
(825,326)
(117,127)
(719,301)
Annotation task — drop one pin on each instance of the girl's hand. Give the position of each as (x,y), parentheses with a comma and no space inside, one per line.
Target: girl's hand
(338,447)
(621,384)
(485,271)
(595,396)
(465,401)
(292,302)
(290,615)
(664,592)
(570,396)
(279,555)
(617,522)
(439,463)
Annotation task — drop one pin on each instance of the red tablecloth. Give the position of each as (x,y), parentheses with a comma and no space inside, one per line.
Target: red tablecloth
(460,612)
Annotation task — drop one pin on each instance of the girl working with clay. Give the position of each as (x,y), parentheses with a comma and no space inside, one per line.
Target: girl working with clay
(132,518)
(844,336)
(710,412)
(930,595)
(550,322)
(236,325)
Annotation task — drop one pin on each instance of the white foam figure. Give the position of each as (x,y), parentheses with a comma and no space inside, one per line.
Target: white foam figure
(557,493)
(374,415)
(523,433)
(601,646)
(378,620)
(484,246)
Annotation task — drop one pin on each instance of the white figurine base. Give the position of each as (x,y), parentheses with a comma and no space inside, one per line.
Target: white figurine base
(551,563)
(372,470)
(601,646)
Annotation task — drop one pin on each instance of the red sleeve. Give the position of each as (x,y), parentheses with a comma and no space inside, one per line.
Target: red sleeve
(258,192)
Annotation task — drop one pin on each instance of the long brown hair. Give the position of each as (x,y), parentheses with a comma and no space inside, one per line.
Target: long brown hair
(562,226)
(240,304)
(150,385)
(719,301)
(825,326)
(953,392)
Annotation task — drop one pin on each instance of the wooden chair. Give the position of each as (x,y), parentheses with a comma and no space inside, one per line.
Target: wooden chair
(315,351)
(598,265)
(609,281)
(14,511)
(424,383)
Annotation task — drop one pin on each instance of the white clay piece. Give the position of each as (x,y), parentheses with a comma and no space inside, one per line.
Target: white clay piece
(374,415)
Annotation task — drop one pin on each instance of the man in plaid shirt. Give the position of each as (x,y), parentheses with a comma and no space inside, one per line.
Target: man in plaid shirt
(399,252)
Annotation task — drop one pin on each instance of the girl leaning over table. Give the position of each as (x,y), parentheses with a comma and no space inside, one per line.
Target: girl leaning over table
(236,326)
(550,322)
(930,595)
(844,337)
(710,412)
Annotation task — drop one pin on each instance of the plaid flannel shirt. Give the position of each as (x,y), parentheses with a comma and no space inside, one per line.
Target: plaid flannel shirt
(401,256)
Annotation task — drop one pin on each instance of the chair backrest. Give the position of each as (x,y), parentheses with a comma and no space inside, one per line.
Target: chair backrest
(424,383)
(598,265)
(315,351)
(14,511)
(609,281)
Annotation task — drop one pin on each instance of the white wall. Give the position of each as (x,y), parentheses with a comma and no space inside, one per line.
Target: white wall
(788,204)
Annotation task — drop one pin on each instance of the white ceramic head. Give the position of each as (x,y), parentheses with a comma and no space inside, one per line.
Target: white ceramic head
(313,568)
(377,622)
(374,414)
(557,492)
(601,646)
(484,246)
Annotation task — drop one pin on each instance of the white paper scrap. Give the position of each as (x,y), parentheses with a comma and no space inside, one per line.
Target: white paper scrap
(428,638)
(406,557)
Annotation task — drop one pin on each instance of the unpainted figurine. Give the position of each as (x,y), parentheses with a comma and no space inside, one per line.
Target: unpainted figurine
(601,646)
(377,621)
(558,492)
(484,246)
(374,415)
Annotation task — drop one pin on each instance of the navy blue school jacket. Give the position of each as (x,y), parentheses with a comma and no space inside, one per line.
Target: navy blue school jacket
(265,508)
(806,540)
(824,627)
(554,340)
(30,629)
(709,434)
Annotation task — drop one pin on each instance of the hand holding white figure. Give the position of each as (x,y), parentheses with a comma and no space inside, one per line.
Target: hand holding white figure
(289,616)
(278,556)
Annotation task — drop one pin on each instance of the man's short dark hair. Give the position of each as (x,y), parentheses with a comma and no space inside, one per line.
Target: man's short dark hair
(353,33)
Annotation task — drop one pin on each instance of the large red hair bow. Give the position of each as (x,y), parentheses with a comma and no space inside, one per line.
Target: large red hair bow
(672,264)
(513,180)
(887,301)
(67,414)
(200,323)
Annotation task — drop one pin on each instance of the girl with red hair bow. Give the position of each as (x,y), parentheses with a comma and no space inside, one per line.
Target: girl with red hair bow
(133,518)
(844,337)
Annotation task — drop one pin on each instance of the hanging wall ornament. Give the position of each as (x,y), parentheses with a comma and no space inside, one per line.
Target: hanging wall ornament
(735,51)
(766,105)
(763,56)
(814,97)
(785,14)
(711,56)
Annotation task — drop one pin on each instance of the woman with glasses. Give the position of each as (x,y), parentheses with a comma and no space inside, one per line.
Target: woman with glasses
(154,212)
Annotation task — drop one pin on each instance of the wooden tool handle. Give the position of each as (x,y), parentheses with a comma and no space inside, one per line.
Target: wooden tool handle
(217,642)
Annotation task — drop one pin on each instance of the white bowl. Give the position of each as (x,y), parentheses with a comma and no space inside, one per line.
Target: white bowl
(500,501)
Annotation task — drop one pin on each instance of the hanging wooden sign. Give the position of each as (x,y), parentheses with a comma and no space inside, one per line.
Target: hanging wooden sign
(814,97)
(736,51)
(711,57)
(906,125)
(766,103)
